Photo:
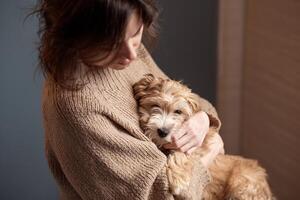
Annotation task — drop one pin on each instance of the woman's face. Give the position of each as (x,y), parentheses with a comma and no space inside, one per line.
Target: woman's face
(128,49)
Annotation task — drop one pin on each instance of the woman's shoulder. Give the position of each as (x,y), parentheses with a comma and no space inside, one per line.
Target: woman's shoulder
(73,107)
(105,90)
(101,96)
(67,102)
(147,59)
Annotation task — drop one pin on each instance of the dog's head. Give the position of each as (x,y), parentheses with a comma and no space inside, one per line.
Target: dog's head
(163,106)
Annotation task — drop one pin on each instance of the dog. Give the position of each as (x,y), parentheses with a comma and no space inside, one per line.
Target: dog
(163,106)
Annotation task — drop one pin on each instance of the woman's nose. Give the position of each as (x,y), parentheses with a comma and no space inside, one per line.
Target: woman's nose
(129,52)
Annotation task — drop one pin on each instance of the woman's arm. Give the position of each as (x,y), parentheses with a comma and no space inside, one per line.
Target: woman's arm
(207,118)
(196,127)
(216,147)
(102,161)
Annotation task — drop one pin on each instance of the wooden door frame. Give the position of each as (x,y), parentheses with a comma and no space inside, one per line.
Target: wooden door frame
(230,66)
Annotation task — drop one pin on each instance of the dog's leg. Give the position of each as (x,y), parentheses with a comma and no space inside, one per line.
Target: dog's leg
(179,172)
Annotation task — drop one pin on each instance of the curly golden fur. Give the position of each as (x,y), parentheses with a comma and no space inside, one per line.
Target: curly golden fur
(163,106)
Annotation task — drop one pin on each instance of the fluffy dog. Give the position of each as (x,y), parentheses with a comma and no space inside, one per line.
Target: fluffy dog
(163,106)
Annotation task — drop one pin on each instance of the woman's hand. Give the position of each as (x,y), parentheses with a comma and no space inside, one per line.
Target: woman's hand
(216,147)
(191,134)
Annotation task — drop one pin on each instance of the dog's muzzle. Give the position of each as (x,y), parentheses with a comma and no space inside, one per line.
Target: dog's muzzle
(162,132)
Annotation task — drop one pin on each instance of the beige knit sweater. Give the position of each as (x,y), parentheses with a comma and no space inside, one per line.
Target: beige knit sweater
(94,145)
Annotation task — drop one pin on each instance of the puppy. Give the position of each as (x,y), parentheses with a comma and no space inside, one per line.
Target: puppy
(163,107)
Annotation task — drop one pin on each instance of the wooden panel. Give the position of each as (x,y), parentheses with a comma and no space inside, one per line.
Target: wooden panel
(271,92)
(230,60)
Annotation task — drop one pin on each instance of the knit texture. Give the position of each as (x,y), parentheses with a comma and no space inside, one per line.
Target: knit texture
(93,142)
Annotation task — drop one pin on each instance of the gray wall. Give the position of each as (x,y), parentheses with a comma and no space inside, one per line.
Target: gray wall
(186,51)
(24,172)
(187,45)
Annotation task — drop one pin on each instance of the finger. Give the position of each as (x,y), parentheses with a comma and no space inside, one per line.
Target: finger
(202,137)
(169,146)
(179,133)
(187,147)
(187,138)
(190,151)
(222,151)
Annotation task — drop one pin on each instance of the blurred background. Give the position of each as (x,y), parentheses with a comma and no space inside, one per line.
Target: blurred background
(243,56)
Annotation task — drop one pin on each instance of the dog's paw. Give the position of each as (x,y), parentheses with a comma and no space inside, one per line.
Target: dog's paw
(179,183)
(179,173)
(179,189)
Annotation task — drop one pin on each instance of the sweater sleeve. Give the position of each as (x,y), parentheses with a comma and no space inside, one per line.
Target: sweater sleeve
(102,161)
(148,60)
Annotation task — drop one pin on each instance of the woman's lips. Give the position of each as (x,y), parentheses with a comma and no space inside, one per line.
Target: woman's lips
(124,62)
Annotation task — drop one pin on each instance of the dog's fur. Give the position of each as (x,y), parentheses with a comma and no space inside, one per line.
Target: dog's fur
(163,106)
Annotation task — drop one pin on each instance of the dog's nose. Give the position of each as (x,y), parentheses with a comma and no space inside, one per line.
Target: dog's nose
(162,132)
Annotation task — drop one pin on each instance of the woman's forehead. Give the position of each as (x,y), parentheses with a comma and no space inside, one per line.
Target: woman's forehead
(134,24)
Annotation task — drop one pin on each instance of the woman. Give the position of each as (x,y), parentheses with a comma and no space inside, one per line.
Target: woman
(91,55)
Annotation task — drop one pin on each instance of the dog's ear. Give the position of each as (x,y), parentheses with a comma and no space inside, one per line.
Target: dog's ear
(142,87)
(194,101)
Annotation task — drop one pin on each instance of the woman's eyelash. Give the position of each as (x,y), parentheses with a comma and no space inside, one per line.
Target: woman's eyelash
(138,31)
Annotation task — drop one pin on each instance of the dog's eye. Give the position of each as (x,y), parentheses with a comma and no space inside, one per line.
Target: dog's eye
(178,112)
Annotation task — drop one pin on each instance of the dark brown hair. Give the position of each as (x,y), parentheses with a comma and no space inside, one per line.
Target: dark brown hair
(71,30)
